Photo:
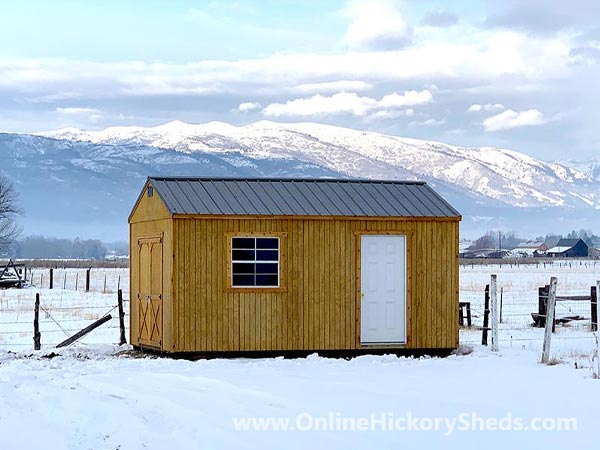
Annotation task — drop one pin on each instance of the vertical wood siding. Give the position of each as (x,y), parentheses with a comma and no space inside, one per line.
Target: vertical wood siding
(318,309)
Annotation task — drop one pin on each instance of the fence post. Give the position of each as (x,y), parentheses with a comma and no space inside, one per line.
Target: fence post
(486,316)
(87,280)
(501,299)
(65,281)
(549,321)
(104,290)
(542,301)
(51,278)
(122,339)
(494,307)
(37,337)
(594,305)
(76,279)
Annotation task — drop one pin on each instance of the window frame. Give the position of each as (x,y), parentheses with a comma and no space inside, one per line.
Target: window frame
(282,287)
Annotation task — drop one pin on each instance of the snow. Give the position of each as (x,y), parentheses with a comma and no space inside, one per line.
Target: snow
(509,176)
(100,396)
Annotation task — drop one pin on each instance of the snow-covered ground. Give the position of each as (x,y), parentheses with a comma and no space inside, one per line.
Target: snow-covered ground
(99,396)
(94,398)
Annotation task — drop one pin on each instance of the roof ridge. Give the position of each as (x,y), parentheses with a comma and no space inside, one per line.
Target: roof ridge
(287,179)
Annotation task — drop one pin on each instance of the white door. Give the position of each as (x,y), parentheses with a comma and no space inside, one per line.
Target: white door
(383,289)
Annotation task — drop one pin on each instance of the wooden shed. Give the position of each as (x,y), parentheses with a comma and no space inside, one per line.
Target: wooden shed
(292,265)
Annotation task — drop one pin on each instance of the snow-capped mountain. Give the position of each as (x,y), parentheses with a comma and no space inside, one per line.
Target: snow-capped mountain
(84,183)
(509,177)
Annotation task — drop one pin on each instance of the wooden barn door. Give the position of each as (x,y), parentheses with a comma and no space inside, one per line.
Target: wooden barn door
(150,290)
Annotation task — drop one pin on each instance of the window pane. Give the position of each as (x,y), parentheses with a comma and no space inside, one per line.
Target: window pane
(267,268)
(243,280)
(243,268)
(242,243)
(243,255)
(267,255)
(266,280)
(267,243)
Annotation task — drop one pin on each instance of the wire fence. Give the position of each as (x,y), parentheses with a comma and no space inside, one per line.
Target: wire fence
(62,314)
(519,306)
(106,280)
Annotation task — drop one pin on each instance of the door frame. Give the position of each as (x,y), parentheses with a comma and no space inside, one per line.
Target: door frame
(150,240)
(408,238)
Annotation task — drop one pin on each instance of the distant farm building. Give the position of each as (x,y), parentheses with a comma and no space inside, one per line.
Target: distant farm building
(292,265)
(569,248)
(531,248)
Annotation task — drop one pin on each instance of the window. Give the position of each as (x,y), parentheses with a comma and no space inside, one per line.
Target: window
(150,191)
(255,262)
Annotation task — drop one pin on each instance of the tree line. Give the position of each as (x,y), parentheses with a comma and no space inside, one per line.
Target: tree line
(509,240)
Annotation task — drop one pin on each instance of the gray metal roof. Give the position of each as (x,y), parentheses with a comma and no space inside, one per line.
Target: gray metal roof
(300,197)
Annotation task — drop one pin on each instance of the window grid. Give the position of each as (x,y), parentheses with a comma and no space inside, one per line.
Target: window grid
(255,262)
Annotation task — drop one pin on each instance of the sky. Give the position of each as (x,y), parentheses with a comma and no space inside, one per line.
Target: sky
(522,75)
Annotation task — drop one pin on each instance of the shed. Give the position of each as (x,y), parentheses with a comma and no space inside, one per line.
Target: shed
(569,248)
(292,265)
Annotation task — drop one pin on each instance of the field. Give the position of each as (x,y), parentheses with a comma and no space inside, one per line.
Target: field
(98,395)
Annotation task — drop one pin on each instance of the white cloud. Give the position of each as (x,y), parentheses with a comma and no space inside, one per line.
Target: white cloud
(70,111)
(512,119)
(248,106)
(483,60)
(409,98)
(346,103)
(427,123)
(376,24)
(486,107)
(332,86)
(340,103)
(391,114)
(92,115)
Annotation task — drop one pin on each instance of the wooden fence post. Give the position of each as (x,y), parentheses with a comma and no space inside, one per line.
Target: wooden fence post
(104,290)
(37,336)
(51,278)
(76,279)
(542,301)
(486,317)
(594,305)
(501,300)
(494,308)
(65,281)
(549,321)
(122,339)
(87,280)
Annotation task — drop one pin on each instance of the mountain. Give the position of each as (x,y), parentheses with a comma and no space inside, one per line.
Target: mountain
(76,182)
(507,176)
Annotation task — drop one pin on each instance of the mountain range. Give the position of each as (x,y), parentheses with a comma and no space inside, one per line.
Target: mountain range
(83,183)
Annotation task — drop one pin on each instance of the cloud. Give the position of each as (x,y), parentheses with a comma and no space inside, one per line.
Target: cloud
(541,17)
(391,114)
(587,53)
(427,123)
(248,106)
(439,19)
(333,86)
(481,60)
(377,25)
(92,115)
(346,103)
(409,98)
(512,119)
(486,107)
(340,103)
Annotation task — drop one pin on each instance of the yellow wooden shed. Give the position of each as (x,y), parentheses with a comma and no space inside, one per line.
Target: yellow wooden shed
(292,266)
